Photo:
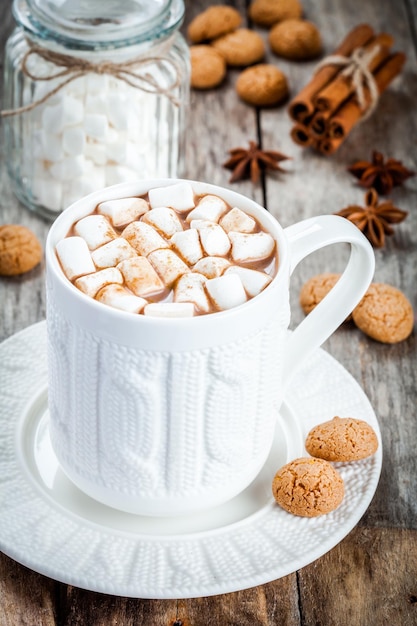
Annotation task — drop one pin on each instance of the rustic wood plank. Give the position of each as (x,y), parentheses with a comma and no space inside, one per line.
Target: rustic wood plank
(364,580)
(274,603)
(84,608)
(26,598)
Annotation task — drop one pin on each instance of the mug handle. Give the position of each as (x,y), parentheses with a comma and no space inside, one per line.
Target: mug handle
(304,238)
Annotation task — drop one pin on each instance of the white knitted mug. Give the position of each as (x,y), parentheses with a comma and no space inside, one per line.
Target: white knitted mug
(167,416)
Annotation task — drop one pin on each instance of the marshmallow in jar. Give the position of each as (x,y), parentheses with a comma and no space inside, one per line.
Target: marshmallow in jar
(95,94)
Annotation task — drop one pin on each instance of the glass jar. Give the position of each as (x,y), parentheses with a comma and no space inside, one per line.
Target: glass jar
(95,94)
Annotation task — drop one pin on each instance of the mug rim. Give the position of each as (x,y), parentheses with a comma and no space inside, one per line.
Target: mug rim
(86,205)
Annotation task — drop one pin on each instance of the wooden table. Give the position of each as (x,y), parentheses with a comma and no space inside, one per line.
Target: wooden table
(371,576)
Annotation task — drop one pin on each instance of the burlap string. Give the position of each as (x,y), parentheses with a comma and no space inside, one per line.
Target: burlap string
(73,68)
(357,69)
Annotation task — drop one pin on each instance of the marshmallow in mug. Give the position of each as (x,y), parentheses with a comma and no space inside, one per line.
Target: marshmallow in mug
(169,253)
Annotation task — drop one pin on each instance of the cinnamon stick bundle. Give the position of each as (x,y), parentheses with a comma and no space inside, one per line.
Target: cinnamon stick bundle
(344,91)
(302,106)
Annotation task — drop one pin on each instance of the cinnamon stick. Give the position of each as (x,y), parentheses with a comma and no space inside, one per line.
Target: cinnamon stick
(328,146)
(318,125)
(300,135)
(337,91)
(350,112)
(302,105)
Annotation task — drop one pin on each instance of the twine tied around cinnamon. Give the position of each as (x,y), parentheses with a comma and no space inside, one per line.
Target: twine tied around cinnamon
(73,68)
(356,67)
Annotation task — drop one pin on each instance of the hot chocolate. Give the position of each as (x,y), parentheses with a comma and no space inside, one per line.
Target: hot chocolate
(169,253)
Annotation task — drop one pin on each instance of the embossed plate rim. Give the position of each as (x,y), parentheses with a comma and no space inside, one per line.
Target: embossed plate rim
(263,547)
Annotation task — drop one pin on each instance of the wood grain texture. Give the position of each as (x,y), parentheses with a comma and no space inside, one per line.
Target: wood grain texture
(371,576)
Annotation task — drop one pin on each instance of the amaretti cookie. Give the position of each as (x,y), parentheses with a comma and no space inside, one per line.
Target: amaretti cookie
(215,21)
(241,47)
(308,487)
(20,250)
(262,85)
(315,289)
(297,40)
(385,314)
(342,439)
(269,12)
(208,67)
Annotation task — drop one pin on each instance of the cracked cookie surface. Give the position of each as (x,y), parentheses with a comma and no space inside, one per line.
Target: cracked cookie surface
(385,314)
(213,22)
(308,487)
(20,250)
(342,439)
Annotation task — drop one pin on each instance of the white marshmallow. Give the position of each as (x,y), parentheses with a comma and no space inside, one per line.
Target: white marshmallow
(96,126)
(96,230)
(120,174)
(96,103)
(119,298)
(73,140)
(140,277)
(123,210)
(52,148)
(96,152)
(165,220)
(237,221)
(113,253)
(40,168)
(251,247)
(168,265)
(116,151)
(211,266)
(190,288)
(214,240)
(118,106)
(92,283)
(169,309)
(83,185)
(75,257)
(179,197)
(226,292)
(253,281)
(135,159)
(143,238)
(67,112)
(77,86)
(209,208)
(187,244)
(70,167)
(48,193)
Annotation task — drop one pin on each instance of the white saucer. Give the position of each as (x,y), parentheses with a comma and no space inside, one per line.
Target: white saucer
(47,524)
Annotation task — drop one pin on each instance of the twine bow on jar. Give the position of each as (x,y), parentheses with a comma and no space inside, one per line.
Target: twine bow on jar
(74,67)
(356,67)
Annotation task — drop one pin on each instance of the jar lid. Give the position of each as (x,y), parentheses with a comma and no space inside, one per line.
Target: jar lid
(99,23)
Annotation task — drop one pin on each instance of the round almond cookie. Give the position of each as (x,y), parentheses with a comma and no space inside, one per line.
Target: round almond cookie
(269,12)
(342,439)
(241,47)
(308,487)
(297,40)
(385,314)
(208,67)
(20,250)
(213,22)
(262,85)
(315,289)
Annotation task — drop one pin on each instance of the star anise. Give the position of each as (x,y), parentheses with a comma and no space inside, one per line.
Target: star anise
(374,220)
(380,174)
(250,162)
